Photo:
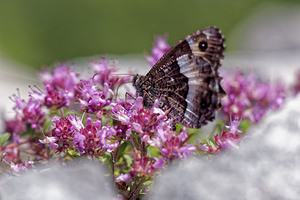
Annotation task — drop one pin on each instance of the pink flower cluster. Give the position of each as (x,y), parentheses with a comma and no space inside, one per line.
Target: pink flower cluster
(154,130)
(229,139)
(63,90)
(89,139)
(248,97)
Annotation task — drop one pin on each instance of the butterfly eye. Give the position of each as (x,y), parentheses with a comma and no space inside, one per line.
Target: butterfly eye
(203,46)
(203,105)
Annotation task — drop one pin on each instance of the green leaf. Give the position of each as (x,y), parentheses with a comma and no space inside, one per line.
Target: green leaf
(211,143)
(178,127)
(3,138)
(73,153)
(153,152)
(30,132)
(195,134)
(122,147)
(108,156)
(220,124)
(128,159)
(244,125)
(147,183)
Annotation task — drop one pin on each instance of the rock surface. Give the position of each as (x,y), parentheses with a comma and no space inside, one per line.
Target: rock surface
(84,180)
(266,166)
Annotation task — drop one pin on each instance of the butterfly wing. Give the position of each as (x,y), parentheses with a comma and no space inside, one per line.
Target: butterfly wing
(186,79)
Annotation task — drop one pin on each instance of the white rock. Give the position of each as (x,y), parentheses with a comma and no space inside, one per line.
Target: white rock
(266,166)
(84,180)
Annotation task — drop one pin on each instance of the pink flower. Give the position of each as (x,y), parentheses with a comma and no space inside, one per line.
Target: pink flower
(159,163)
(29,112)
(51,141)
(248,97)
(160,48)
(234,127)
(76,122)
(63,130)
(105,135)
(21,167)
(105,74)
(174,146)
(226,141)
(138,118)
(60,86)
(123,177)
(91,98)
(79,141)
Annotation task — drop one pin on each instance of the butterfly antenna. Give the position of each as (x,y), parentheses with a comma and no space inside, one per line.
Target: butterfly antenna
(117,90)
(116,75)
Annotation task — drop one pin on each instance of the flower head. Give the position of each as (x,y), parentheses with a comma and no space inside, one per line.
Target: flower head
(60,86)
(105,74)
(123,177)
(160,48)
(29,112)
(233,127)
(91,98)
(51,141)
(175,146)
(21,167)
(227,139)
(138,118)
(248,97)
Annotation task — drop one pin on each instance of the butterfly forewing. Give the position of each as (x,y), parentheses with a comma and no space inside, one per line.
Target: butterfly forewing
(186,79)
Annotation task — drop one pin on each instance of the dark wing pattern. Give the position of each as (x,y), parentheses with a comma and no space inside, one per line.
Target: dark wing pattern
(186,79)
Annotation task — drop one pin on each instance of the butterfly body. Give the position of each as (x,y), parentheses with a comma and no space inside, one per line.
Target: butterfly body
(186,79)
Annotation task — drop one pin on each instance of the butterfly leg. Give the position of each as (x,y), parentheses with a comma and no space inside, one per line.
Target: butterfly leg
(148,101)
(127,94)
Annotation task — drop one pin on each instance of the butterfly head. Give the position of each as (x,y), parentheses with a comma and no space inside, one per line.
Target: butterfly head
(137,82)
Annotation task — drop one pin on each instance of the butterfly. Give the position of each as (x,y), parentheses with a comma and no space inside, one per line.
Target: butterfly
(186,79)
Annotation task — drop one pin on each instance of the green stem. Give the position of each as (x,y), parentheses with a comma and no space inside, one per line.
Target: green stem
(114,158)
(131,195)
(10,146)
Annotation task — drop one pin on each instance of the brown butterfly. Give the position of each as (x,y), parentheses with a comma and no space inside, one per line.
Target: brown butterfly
(186,79)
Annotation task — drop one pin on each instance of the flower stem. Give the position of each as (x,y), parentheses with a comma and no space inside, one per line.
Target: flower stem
(10,146)
(131,195)
(114,156)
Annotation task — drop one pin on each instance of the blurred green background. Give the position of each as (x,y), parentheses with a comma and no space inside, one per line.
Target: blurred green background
(37,32)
